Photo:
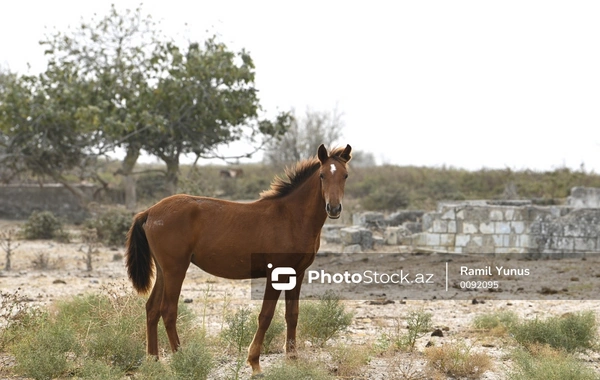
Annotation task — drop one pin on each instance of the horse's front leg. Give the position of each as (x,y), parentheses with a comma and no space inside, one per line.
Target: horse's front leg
(292,298)
(264,320)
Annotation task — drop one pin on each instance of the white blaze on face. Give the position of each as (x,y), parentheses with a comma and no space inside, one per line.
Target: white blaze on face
(333,169)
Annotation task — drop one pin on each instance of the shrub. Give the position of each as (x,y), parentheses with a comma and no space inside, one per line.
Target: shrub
(544,363)
(301,370)
(418,323)
(43,225)
(238,329)
(458,361)
(323,319)
(193,361)
(498,323)
(45,352)
(350,361)
(112,226)
(572,332)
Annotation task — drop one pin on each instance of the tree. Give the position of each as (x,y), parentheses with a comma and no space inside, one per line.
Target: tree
(47,129)
(114,52)
(205,97)
(304,136)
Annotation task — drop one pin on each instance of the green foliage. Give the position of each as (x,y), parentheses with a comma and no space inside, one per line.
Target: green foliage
(350,360)
(458,360)
(572,332)
(99,370)
(300,370)
(418,324)
(43,225)
(323,319)
(112,226)
(194,361)
(238,331)
(44,351)
(498,321)
(543,363)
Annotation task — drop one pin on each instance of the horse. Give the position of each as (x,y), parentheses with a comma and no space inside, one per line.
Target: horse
(220,237)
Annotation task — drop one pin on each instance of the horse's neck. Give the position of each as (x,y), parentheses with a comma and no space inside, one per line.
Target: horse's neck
(307,202)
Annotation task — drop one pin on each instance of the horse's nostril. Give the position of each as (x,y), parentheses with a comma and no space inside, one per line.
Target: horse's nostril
(328,207)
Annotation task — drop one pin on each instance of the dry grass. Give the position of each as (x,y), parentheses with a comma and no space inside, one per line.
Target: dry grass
(458,360)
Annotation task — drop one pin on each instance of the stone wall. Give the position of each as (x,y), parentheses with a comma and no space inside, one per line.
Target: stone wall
(19,201)
(517,228)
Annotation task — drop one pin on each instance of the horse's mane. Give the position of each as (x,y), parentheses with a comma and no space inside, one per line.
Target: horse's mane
(296,175)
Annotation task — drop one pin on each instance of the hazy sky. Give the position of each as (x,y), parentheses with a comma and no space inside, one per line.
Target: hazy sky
(467,84)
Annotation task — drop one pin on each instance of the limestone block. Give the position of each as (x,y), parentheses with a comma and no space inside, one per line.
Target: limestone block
(486,228)
(447,240)
(368,219)
(449,214)
(585,244)
(351,249)
(428,220)
(440,226)
(470,228)
(502,227)
(452,227)
(517,227)
(392,235)
(414,227)
(331,233)
(350,235)
(461,240)
(496,215)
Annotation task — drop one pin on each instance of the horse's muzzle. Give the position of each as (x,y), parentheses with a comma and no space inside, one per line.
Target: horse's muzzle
(334,212)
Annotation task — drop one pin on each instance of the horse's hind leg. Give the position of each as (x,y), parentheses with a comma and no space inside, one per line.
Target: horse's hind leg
(153,313)
(172,289)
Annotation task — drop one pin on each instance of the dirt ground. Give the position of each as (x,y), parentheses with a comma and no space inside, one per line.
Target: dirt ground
(550,285)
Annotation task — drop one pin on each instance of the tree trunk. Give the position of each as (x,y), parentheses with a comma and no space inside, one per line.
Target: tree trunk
(172,175)
(129,183)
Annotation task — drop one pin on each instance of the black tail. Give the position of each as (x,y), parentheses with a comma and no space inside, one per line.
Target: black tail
(140,267)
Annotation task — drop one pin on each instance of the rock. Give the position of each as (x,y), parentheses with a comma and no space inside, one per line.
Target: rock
(401,217)
(59,281)
(351,249)
(368,219)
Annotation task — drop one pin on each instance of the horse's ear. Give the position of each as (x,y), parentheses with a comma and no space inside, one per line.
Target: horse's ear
(346,153)
(322,154)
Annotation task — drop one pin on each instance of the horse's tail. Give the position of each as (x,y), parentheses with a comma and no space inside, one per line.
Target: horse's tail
(140,266)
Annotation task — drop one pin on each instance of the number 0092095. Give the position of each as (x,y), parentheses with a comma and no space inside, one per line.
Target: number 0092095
(478,284)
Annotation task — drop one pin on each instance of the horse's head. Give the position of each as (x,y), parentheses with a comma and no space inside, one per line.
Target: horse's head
(333,174)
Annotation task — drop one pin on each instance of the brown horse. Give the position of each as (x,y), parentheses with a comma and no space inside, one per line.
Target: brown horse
(220,237)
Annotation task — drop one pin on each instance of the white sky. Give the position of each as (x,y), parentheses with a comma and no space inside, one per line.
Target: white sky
(468,84)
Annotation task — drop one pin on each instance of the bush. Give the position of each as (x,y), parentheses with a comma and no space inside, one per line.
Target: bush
(543,363)
(112,226)
(418,323)
(572,332)
(238,331)
(498,323)
(300,370)
(44,225)
(458,361)
(193,361)
(45,352)
(323,319)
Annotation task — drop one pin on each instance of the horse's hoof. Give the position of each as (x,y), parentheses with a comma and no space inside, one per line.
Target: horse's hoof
(258,376)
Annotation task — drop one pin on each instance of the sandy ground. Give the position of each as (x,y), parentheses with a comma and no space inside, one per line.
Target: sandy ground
(210,296)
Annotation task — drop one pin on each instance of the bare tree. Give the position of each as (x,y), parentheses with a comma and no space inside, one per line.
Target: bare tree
(7,243)
(303,138)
